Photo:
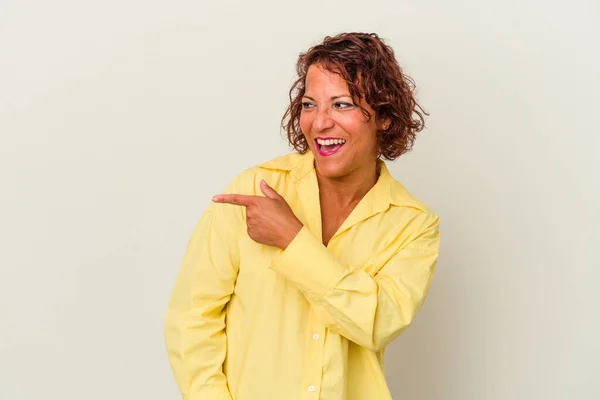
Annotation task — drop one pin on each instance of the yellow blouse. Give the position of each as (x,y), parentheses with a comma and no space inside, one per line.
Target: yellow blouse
(248,321)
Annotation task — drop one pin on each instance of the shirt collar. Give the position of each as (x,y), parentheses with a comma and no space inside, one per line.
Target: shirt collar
(387,190)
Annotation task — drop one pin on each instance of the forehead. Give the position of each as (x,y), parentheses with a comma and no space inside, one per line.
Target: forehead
(318,77)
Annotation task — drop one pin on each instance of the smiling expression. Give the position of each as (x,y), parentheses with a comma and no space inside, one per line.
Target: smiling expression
(342,139)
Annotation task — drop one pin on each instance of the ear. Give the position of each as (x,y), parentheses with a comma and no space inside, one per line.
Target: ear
(385,124)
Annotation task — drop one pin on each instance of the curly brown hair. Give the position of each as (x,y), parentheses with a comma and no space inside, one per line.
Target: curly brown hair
(372,73)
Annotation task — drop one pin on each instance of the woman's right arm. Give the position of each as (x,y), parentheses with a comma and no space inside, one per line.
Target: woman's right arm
(195,318)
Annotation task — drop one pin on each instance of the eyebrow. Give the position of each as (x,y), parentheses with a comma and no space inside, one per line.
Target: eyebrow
(331,98)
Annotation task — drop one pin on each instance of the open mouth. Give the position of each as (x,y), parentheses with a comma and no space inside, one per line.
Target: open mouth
(329,146)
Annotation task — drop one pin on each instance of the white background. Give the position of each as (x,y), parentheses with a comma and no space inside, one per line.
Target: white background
(120,119)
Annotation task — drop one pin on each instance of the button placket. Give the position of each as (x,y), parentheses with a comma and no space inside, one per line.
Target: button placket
(314,363)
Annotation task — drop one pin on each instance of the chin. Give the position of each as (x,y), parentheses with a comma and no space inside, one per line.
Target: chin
(326,173)
(331,170)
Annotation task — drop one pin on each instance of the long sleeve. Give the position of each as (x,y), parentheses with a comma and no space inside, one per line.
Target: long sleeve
(195,318)
(370,310)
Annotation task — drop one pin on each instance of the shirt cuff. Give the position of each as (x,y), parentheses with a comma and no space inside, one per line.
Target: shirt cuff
(308,264)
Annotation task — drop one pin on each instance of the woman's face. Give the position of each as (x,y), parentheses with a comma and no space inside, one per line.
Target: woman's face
(337,131)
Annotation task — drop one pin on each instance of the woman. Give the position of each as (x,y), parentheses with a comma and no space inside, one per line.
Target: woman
(308,266)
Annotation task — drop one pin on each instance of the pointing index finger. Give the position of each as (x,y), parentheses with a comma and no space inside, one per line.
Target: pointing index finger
(235,199)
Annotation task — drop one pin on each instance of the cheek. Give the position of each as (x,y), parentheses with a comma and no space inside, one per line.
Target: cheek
(357,128)
(363,134)
(305,123)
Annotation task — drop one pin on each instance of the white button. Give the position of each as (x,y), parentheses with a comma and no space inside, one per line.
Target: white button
(316,336)
(311,388)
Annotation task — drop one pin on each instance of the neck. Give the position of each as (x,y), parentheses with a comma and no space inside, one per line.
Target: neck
(348,190)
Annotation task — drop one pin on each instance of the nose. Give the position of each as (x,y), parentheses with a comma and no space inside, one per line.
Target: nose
(323,120)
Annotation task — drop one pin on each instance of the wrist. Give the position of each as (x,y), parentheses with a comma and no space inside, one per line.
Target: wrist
(289,238)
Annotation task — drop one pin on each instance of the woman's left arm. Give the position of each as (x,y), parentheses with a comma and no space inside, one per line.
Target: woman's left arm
(368,310)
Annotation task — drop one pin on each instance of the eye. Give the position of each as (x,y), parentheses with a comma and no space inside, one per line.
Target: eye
(342,104)
(307,104)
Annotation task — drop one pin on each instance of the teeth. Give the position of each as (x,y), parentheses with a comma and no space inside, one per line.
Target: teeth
(329,142)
